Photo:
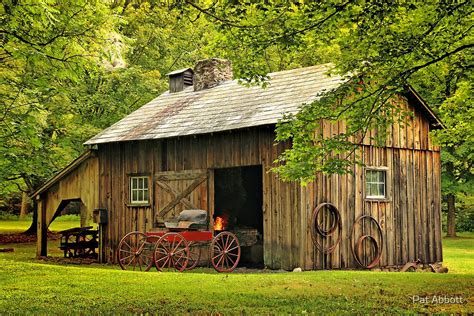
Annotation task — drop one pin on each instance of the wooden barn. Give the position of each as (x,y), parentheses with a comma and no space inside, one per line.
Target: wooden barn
(208,143)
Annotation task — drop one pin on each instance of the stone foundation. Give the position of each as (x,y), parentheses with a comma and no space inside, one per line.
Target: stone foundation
(422,267)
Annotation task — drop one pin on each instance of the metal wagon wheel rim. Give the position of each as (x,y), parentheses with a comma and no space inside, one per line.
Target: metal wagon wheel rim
(318,230)
(359,251)
(171,251)
(225,252)
(356,252)
(134,252)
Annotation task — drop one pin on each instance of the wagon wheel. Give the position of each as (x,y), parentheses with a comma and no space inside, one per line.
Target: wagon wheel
(194,255)
(171,251)
(225,252)
(135,252)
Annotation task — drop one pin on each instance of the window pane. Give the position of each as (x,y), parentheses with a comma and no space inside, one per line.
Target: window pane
(375,176)
(139,189)
(369,174)
(375,183)
(381,176)
(372,189)
(375,189)
(381,191)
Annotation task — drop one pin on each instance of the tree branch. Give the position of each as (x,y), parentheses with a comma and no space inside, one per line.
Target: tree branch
(229,22)
(412,70)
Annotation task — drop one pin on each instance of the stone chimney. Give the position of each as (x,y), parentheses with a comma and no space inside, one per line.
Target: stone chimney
(209,73)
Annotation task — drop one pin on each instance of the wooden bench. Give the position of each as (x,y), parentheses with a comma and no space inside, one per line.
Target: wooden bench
(79,242)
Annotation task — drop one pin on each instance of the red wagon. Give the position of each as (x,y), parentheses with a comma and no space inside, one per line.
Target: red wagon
(179,247)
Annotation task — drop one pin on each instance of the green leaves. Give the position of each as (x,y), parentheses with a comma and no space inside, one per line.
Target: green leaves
(383,46)
(71,69)
(46,49)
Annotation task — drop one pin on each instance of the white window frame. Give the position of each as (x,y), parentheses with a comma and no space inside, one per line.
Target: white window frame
(144,190)
(386,182)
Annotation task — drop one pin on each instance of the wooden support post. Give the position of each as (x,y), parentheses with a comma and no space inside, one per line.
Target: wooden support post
(42,236)
(210,198)
(84,215)
(101,249)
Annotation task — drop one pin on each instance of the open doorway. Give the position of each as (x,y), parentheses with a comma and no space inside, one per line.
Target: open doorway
(78,238)
(238,200)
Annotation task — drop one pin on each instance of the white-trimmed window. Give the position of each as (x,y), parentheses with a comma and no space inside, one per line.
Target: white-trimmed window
(139,193)
(375,183)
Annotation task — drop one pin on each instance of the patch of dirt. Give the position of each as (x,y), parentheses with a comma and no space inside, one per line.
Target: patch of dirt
(20,238)
(256,270)
(63,260)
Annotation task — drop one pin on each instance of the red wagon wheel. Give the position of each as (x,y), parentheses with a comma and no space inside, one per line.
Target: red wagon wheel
(194,255)
(171,251)
(134,252)
(225,252)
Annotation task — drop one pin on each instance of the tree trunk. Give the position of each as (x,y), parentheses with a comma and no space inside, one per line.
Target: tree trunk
(34,225)
(451,201)
(451,215)
(25,205)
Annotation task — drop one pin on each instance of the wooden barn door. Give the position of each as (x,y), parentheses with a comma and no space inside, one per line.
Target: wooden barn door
(176,191)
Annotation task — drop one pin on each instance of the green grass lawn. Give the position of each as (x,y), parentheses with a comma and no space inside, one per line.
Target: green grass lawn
(60,223)
(31,286)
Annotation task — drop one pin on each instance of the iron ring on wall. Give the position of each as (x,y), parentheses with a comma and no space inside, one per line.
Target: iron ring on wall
(316,229)
(378,250)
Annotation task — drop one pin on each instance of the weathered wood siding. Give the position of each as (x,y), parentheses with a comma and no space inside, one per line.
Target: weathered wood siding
(410,219)
(230,149)
(80,184)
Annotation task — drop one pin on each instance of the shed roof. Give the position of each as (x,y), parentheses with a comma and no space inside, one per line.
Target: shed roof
(179,71)
(73,165)
(228,106)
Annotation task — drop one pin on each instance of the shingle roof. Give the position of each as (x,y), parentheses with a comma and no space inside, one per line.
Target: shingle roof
(73,165)
(175,72)
(228,106)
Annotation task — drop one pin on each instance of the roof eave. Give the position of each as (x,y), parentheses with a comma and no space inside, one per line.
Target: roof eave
(63,172)
(438,123)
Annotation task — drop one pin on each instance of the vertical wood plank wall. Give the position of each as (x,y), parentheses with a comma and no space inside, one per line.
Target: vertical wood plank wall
(410,220)
(229,149)
(411,217)
(80,183)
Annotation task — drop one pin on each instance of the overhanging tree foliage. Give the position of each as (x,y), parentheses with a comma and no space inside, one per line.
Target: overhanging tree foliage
(45,50)
(381,47)
(71,69)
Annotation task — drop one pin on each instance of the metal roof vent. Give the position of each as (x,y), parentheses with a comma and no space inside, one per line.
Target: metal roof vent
(180,79)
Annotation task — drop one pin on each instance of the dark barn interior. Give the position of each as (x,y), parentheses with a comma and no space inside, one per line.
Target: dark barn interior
(238,202)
